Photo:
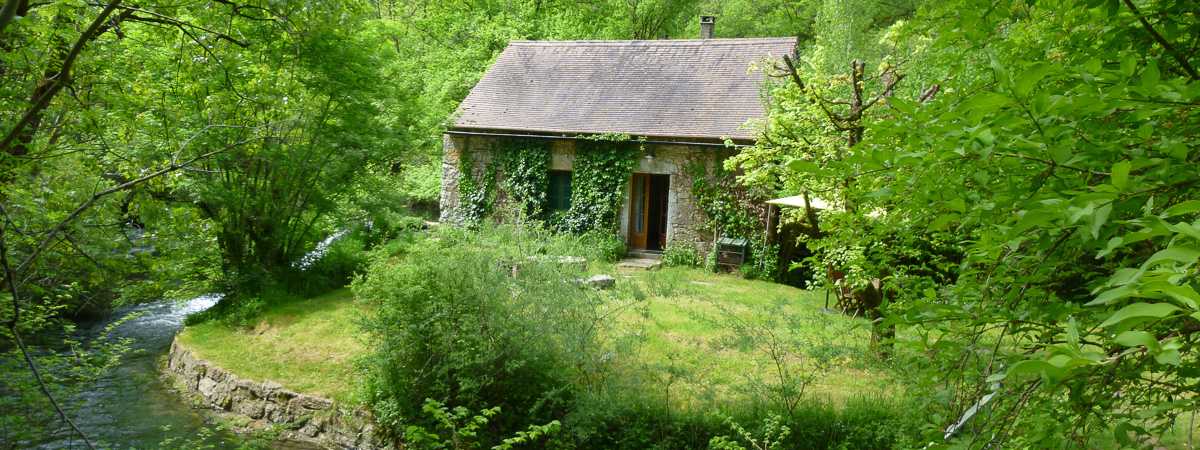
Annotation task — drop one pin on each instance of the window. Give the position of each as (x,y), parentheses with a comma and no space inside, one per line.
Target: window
(560,190)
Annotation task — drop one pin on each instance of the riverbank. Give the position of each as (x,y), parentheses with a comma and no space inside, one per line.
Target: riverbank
(307,345)
(267,405)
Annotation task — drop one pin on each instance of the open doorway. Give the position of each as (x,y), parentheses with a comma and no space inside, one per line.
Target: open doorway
(648,211)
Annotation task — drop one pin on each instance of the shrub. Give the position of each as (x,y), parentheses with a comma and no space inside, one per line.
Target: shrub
(460,429)
(680,255)
(604,246)
(451,323)
(627,421)
(763,263)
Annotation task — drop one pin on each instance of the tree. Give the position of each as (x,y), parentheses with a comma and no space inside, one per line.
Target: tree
(1054,156)
(112,118)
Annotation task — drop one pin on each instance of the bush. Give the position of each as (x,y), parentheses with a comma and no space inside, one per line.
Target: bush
(627,420)
(451,323)
(763,264)
(335,269)
(680,255)
(241,310)
(604,246)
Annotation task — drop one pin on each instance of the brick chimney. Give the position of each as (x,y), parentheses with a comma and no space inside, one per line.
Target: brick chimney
(707,23)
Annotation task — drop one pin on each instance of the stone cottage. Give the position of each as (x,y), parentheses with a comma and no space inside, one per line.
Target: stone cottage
(686,101)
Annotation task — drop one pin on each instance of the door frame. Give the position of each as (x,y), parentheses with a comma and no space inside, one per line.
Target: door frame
(642,202)
(639,211)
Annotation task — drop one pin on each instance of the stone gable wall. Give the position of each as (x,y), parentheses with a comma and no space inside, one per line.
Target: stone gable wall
(305,418)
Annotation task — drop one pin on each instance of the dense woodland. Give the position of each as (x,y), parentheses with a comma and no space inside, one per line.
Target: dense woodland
(1016,182)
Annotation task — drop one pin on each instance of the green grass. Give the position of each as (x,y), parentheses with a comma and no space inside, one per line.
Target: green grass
(307,346)
(709,336)
(681,322)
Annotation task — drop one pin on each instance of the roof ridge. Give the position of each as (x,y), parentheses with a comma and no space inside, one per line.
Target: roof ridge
(664,42)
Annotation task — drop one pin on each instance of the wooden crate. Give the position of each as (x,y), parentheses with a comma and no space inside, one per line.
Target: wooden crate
(731,252)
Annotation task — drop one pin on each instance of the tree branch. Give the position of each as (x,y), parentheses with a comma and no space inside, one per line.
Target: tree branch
(153,17)
(60,79)
(1183,62)
(14,328)
(929,93)
(87,204)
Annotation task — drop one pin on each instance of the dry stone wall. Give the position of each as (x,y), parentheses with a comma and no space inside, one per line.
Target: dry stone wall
(304,417)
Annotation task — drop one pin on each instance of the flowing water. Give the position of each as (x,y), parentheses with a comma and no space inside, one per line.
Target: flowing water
(131,406)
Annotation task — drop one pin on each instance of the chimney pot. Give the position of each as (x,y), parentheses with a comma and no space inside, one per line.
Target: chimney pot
(707,23)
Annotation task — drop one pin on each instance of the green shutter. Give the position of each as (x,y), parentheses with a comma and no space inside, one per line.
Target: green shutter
(560,190)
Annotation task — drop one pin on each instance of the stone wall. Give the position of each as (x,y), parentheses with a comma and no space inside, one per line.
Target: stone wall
(305,418)
(685,221)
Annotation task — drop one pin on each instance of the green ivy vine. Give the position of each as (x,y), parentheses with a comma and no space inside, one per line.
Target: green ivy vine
(728,214)
(603,164)
(475,196)
(717,197)
(526,164)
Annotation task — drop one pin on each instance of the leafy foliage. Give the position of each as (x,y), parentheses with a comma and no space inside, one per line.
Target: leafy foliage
(440,325)
(676,255)
(458,429)
(476,193)
(1030,212)
(526,165)
(601,172)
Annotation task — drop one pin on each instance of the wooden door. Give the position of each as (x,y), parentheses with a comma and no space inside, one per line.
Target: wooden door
(639,210)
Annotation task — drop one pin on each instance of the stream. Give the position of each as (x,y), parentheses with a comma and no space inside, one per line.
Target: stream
(131,406)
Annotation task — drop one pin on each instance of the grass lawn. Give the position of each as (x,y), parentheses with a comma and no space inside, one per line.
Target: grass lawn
(703,337)
(720,337)
(307,346)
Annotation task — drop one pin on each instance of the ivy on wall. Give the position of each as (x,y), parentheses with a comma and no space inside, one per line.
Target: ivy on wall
(475,195)
(730,213)
(603,164)
(717,196)
(525,164)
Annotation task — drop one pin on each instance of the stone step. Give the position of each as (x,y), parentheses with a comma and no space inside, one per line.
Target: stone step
(644,254)
(639,264)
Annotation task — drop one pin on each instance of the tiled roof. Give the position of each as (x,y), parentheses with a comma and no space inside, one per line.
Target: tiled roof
(667,88)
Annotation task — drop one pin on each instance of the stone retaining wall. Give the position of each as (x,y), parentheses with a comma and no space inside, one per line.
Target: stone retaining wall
(305,418)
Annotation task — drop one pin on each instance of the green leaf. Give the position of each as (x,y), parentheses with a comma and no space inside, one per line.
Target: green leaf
(957,204)
(1113,295)
(1140,311)
(1181,208)
(1177,254)
(803,165)
(1027,80)
(1177,150)
(1183,294)
(1099,218)
(1120,175)
(1128,64)
(985,137)
(1034,367)
(1168,357)
(902,105)
(1150,76)
(1136,339)
(1113,244)
(987,102)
